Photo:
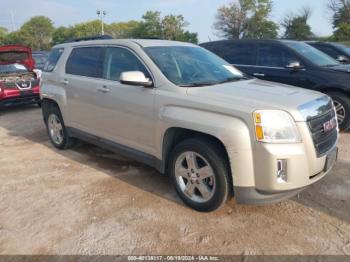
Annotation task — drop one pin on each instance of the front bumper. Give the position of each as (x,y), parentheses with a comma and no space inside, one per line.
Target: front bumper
(304,168)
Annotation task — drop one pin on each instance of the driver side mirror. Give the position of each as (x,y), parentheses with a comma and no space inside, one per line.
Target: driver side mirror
(135,78)
(343,59)
(295,65)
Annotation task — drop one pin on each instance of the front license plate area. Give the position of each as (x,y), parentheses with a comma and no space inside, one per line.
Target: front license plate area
(26,92)
(332,158)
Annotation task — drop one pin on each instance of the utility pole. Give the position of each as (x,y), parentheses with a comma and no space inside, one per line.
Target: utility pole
(12,21)
(101,15)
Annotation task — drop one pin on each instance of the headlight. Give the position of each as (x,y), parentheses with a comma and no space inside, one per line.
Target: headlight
(274,126)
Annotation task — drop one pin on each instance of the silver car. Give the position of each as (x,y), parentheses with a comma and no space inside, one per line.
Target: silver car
(186,112)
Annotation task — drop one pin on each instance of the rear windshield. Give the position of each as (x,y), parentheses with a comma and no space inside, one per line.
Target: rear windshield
(12,68)
(9,57)
(51,62)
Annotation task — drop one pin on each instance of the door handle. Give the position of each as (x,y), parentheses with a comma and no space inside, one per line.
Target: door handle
(103,89)
(65,81)
(258,74)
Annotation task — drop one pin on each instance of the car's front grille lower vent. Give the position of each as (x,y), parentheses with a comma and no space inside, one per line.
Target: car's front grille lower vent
(323,139)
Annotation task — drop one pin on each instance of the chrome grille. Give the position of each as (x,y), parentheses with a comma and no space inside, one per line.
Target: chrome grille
(323,140)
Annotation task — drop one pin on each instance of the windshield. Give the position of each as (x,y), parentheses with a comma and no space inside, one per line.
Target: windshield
(12,68)
(344,48)
(192,66)
(314,55)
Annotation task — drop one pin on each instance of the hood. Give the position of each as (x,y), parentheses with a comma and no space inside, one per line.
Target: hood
(19,54)
(341,68)
(255,94)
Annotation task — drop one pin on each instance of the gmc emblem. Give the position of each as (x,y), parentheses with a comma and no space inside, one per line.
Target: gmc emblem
(330,125)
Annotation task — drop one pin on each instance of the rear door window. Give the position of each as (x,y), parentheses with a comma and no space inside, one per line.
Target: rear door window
(52,60)
(239,53)
(118,60)
(85,61)
(274,56)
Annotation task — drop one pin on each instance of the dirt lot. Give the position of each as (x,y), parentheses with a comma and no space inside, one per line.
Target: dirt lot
(89,201)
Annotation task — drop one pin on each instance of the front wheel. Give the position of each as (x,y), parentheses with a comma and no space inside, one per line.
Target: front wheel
(342,107)
(200,174)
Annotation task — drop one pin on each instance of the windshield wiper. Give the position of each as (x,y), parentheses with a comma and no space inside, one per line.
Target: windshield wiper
(231,79)
(197,84)
(211,83)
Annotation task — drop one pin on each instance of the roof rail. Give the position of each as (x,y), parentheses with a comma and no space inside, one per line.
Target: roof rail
(88,38)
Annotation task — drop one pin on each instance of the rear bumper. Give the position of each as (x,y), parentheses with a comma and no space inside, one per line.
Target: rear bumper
(20,100)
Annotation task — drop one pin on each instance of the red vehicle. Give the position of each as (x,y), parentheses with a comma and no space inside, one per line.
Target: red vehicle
(19,81)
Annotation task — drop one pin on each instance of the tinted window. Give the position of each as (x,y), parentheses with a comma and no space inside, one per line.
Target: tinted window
(85,61)
(329,51)
(51,62)
(235,53)
(118,60)
(312,54)
(274,56)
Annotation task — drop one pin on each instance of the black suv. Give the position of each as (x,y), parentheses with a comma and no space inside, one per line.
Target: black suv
(290,62)
(337,51)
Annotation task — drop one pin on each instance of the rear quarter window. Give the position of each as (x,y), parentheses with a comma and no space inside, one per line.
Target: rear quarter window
(85,61)
(52,60)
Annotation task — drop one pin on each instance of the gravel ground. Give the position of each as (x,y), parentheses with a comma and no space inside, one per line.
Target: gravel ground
(89,201)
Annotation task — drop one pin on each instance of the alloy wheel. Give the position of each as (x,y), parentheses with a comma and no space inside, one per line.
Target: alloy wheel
(55,129)
(195,177)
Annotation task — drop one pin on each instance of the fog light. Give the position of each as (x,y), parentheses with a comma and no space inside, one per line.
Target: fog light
(281,171)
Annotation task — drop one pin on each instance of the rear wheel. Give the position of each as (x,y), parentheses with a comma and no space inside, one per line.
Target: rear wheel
(200,174)
(56,129)
(342,107)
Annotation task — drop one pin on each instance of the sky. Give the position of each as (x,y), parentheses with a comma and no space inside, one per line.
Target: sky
(199,13)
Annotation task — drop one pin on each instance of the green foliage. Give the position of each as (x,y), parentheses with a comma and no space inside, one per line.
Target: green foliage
(39,33)
(246,19)
(343,32)
(3,34)
(341,12)
(150,26)
(170,27)
(61,34)
(296,26)
(341,19)
(262,29)
(123,29)
(36,33)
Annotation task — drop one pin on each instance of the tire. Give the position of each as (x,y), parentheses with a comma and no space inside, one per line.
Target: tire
(206,189)
(342,104)
(56,129)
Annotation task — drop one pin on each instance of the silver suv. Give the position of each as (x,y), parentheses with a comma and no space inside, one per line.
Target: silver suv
(188,113)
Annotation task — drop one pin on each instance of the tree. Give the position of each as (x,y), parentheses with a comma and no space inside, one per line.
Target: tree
(246,18)
(3,34)
(62,34)
(340,10)
(170,27)
(123,29)
(37,33)
(343,32)
(173,29)
(89,28)
(296,26)
(151,25)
